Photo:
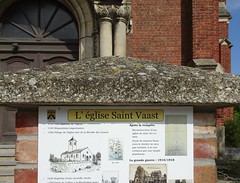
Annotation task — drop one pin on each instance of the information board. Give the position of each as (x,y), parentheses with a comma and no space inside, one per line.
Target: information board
(115,144)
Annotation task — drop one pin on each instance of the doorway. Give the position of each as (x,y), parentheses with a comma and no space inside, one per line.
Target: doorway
(34,33)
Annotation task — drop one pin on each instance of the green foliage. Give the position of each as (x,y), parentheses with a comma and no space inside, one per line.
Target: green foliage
(237,113)
(232,130)
(232,133)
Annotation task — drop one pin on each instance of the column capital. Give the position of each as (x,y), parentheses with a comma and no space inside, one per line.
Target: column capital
(115,11)
(123,12)
(105,11)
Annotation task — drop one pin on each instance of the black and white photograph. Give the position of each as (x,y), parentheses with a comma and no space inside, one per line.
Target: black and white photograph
(115,147)
(110,177)
(148,173)
(75,159)
(180,181)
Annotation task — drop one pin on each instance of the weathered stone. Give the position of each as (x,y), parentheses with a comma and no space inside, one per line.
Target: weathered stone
(204,119)
(121,80)
(204,130)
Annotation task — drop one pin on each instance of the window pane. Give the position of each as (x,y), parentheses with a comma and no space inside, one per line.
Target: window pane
(47,10)
(59,19)
(30,8)
(10,31)
(32,17)
(67,32)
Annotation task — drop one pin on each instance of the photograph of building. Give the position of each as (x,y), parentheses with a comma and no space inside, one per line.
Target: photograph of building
(110,177)
(148,174)
(180,181)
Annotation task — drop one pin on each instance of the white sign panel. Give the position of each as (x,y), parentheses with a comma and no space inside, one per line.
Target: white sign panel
(115,145)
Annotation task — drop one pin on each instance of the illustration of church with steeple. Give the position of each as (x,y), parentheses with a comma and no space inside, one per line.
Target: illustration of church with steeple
(75,154)
(75,159)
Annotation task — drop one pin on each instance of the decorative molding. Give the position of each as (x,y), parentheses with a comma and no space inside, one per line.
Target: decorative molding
(205,64)
(105,11)
(224,15)
(225,42)
(123,12)
(113,11)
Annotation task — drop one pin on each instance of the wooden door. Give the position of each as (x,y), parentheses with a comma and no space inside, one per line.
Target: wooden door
(34,33)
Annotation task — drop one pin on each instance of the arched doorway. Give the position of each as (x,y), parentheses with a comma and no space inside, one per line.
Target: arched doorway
(34,33)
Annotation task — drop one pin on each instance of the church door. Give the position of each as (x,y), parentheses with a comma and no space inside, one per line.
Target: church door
(34,33)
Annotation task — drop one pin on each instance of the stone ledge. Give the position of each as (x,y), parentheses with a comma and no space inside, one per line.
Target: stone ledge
(26,165)
(118,80)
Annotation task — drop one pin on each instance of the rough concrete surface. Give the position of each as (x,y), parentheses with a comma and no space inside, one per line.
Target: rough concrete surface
(110,80)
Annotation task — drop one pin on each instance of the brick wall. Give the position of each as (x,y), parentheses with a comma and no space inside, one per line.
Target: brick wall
(157,30)
(224,114)
(205,147)
(176,31)
(224,49)
(205,29)
(26,153)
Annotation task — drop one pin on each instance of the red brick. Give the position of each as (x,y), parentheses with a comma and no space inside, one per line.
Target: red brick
(27,151)
(205,29)
(206,174)
(205,148)
(27,122)
(25,176)
(156,30)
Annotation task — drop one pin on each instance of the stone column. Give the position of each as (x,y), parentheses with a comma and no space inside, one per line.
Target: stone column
(120,27)
(105,37)
(105,13)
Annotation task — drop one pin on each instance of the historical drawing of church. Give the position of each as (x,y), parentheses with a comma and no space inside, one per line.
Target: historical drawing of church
(74,159)
(74,154)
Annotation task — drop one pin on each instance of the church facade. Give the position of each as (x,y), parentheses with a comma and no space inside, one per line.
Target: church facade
(35,33)
(183,32)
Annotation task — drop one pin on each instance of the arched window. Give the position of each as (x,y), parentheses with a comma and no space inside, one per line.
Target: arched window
(39,20)
(39,32)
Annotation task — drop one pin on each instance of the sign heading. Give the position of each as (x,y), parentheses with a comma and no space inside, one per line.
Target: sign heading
(117,115)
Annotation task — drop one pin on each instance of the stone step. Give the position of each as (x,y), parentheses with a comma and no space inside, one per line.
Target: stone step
(6,179)
(7,146)
(7,152)
(10,158)
(7,170)
(7,163)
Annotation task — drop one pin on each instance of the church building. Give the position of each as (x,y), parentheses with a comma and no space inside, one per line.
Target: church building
(37,33)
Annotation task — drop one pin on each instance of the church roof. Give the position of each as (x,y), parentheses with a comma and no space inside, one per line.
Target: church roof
(74,151)
(118,80)
(72,139)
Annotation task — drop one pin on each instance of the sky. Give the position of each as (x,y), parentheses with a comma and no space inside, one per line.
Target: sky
(234,34)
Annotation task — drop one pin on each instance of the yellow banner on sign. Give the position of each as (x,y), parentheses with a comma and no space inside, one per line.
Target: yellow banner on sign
(117,115)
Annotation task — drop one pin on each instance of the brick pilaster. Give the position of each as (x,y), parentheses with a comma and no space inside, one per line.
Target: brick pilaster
(26,146)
